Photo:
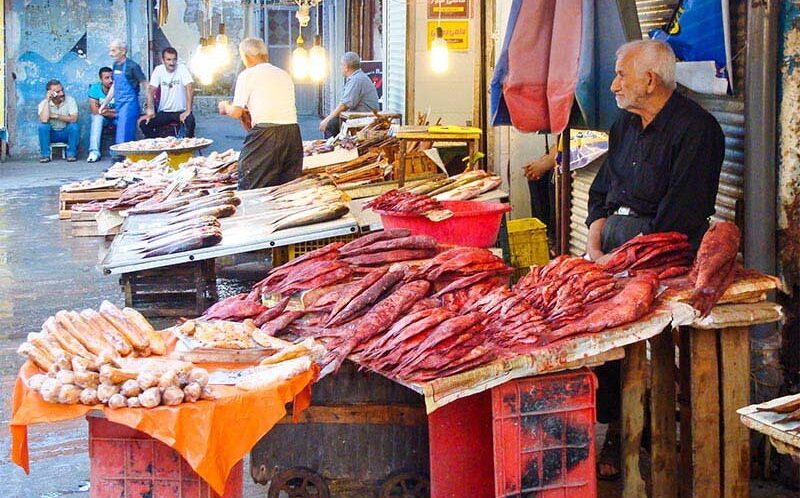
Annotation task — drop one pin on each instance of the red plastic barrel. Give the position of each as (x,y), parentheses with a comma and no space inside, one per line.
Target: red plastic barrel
(127,463)
(473,223)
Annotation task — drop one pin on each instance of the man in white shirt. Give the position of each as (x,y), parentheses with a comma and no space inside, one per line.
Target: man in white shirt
(172,85)
(273,149)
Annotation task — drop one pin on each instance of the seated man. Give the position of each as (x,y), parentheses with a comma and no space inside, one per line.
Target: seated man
(58,116)
(176,91)
(97,93)
(359,94)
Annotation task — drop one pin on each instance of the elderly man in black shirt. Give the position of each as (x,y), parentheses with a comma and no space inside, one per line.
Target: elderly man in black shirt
(664,159)
(662,174)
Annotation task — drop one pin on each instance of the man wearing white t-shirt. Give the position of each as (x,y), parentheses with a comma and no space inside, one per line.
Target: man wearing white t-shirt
(172,86)
(273,149)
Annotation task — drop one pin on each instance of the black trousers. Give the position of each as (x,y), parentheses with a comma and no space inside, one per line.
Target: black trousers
(151,128)
(543,202)
(616,231)
(271,155)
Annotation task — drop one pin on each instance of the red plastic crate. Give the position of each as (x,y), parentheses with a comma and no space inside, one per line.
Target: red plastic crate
(126,463)
(544,436)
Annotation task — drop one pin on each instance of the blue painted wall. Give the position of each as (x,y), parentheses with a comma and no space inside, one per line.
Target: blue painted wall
(65,40)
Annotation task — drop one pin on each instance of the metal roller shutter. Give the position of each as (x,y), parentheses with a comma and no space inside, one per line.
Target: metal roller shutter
(395,48)
(728,110)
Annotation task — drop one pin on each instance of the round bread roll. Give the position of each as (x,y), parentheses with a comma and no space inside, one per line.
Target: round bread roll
(88,397)
(208,393)
(69,394)
(150,398)
(199,375)
(130,388)
(50,390)
(36,381)
(172,396)
(168,379)
(117,401)
(87,379)
(192,392)
(134,402)
(105,391)
(66,376)
(146,380)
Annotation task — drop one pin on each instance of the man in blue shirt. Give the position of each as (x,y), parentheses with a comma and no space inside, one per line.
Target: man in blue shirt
(359,94)
(128,77)
(97,94)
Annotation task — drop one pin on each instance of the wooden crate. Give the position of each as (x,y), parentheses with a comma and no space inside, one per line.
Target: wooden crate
(418,165)
(83,224)
(67,199)
(185,290)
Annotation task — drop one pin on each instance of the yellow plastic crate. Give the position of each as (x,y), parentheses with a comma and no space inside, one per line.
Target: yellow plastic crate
(281,255)
(527,240)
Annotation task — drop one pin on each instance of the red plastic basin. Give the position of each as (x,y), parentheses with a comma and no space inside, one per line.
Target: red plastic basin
(473,223)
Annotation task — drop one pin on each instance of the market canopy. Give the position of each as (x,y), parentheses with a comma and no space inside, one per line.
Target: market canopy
(558,57)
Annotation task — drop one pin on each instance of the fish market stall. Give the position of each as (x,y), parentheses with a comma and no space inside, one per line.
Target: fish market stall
(178,150)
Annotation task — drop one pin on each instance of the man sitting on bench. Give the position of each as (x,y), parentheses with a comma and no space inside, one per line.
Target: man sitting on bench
(97,93)
(58,116)
(175,88)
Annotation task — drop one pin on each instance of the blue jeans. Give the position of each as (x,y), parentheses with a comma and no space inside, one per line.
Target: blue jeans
(70,135)
(96,135)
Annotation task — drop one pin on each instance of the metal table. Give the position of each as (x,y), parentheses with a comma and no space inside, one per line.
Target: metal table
(242,232)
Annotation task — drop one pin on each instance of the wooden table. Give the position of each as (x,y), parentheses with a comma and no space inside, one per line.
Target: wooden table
(410,135)
(784,436)
(714,355)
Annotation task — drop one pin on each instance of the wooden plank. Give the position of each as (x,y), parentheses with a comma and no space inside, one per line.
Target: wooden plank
(662,412)
(361,414)
(700,417)
(633,389)
(735,377)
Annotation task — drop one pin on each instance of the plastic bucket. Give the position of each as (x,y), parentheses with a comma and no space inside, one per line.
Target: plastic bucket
(473,223)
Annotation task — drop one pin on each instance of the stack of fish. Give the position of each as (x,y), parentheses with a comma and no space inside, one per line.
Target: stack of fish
(462,187)
(191,224)
(667,254)
(389,246)
(395,201)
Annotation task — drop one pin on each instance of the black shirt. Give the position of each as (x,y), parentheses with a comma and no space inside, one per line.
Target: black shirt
(668,171)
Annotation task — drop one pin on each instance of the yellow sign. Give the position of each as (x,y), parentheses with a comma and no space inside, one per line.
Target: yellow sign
(456,33)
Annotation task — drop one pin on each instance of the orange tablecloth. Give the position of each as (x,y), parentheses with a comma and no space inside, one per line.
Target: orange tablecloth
(211,435)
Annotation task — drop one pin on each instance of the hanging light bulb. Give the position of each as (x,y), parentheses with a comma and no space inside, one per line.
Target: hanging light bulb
(202,63)
(317,61)
(300,60)
(221,51)
(440,60)
(303,14)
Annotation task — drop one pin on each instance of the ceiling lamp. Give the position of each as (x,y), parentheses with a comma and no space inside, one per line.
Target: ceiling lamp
(221,50)
(317,61)
(440,60)
(300,60)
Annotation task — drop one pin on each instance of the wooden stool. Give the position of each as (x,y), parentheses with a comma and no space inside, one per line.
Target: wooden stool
(410,135)
(58,146)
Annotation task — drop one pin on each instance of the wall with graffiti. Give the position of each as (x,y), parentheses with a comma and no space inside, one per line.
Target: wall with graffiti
(65,40)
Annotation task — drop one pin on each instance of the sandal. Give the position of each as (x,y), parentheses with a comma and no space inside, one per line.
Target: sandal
(72,159)
(44,159)
(609,456)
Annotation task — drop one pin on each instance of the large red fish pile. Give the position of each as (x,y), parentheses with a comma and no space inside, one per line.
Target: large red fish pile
(404,202)
(455,311)
(667,254)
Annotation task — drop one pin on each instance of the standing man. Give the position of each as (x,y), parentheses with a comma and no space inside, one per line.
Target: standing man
(662,174)
(273,150)
(97,94)
(128,76)
(58,116)
(175,88)
(359,94)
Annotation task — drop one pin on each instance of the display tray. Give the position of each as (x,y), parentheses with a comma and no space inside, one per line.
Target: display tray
(120,149)
(190,349)
(784,435)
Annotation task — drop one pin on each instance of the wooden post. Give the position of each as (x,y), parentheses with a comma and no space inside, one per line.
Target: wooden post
(662,414)
(565,200)
(634,372)
(401,164)
(735,389)
(700,420)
